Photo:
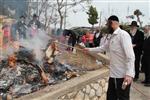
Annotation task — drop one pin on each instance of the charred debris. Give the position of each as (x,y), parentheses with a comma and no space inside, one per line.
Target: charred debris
(21,73)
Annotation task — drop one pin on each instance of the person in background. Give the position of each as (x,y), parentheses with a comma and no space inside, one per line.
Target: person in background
(21,28)
(121,60)
(71,37)
(137,42)
(146,56)
(87,39)
(34,25)
(97,38)
(6,35)
(35,22)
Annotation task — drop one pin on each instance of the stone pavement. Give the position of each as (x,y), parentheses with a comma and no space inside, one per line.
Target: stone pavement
(136,95)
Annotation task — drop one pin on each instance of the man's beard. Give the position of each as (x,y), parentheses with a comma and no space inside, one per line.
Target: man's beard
(110,30)
(109,27)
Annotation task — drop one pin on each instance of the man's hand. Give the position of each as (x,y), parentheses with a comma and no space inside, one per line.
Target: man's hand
(85,50)
(128,79)
(134,45)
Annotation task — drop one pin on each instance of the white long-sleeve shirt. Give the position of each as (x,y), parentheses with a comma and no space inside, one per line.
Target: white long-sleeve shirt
(121,54)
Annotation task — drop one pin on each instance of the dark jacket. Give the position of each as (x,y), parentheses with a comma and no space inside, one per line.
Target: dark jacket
(21,27)
(138,40)
(72,39)
(36,22)
(97,40)
(146,47)
(72,36)
(146,58)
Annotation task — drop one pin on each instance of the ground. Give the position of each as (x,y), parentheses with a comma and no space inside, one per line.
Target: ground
(138,86)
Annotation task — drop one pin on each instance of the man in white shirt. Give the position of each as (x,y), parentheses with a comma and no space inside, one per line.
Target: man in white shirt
(121,60)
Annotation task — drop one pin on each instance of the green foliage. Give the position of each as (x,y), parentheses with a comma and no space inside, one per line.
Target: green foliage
(125,27)
(80,31)
(104,30)
(93,15)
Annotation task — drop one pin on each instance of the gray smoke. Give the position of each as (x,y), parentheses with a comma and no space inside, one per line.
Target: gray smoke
(37,43)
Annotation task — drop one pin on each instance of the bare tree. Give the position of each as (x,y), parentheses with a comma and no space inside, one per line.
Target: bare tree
(52,17)
(45,10)
(63,5)
(53,12)
(60,7)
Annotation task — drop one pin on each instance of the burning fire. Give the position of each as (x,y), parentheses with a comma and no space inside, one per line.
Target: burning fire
(12,61)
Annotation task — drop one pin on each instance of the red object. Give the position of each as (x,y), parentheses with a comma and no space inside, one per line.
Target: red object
(88,38)
(6,31)
(6,36)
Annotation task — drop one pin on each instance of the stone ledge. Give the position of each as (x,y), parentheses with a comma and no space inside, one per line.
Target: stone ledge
(55,91)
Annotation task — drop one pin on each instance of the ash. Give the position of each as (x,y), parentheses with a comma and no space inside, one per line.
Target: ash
(29,75)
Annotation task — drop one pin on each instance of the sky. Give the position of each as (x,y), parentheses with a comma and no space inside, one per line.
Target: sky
(121,8)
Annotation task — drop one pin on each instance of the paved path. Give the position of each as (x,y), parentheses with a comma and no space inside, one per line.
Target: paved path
(135,95)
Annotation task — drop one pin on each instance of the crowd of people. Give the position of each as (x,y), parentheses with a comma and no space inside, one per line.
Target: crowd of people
(12,31)
(88,39)
(17,30)
(141,46)
(129,54)
(140,43)
(129,51)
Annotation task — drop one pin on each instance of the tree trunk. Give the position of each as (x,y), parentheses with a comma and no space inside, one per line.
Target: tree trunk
(60,13)
(92,28)
(61,22)
(61,18)
(138,20)
(100,20)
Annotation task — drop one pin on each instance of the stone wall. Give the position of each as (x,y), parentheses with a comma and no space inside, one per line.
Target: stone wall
(90,86)
(93,91)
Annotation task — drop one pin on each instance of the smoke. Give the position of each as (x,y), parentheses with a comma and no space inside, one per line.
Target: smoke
(37,43)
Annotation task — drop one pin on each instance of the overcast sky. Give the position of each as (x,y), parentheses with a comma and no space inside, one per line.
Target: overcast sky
(121,8)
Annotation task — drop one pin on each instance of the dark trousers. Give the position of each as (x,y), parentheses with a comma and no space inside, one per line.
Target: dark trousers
(146,65)
(137,65)
(115,91)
